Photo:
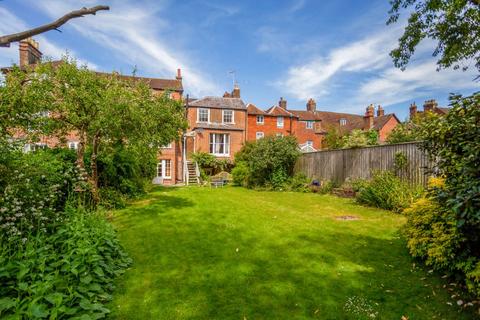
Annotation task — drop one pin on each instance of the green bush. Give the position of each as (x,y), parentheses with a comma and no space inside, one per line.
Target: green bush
(67,274)
(453,144)
(299,183)
(269,160)
(240,174)
(388,192)
(111,198)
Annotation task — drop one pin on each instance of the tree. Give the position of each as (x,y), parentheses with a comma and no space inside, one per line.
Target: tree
(269,160)
(454,24)
(333,138)
(7,39)
(411,130)
(100,109)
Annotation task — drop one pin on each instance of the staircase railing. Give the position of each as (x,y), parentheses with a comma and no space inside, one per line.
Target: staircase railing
(185,172)
(197,172)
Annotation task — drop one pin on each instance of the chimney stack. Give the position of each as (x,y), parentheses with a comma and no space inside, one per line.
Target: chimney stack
(311,105)
(282,104)
(236,91)
(380,111)
(29,52)
(227,95)
(179,74)
(368,118)
(430,105)
(413,110)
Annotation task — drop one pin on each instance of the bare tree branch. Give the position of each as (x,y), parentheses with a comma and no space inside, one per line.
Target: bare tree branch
(6,40)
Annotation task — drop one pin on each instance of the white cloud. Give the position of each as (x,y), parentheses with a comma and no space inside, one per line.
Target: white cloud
(131,32)
(324,76)
(313,79)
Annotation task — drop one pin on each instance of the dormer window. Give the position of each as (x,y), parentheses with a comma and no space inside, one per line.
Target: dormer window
(343,122)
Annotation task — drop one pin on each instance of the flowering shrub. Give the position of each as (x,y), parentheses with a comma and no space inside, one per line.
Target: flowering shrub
(35,194)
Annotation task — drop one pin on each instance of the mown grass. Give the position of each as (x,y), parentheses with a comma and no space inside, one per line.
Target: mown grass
(232,253)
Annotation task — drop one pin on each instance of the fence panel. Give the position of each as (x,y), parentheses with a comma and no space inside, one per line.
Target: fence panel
(339,165)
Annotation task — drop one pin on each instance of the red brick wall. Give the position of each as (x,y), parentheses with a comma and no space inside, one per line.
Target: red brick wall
(387,128)
(269,126)
(202,139)
(303,134)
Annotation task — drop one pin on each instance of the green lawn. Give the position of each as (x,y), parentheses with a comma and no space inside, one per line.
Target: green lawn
(232,253)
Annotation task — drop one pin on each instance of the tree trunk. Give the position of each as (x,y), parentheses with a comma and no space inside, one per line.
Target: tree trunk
(94,168)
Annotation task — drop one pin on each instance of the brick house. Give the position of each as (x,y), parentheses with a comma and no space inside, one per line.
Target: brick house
(306,125)
(216,125)
(346,122)
(428,106)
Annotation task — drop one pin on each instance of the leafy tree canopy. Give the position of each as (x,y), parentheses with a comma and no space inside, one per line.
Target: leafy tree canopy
(454,24)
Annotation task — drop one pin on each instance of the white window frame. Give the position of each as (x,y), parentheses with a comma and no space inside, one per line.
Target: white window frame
(309,143)
(280,122)
(343,122)
(162,168)
(309,124)
(73,144)
(198,115)
(279,134)
(260,117)
(31,147)
(213,144)
(259,135)
(223,116)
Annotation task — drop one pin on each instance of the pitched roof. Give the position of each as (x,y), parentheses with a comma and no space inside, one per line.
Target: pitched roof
(354,121)
(253,109)
(154,83)
(278,111)
(306,115)
(219,103)
(444,110)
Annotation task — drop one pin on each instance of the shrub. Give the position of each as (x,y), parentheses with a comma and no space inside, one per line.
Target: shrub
(388,192)
(299,183)
(209,163)
(270,160)
(37,190)
(112,199)
(240,174)
(452,143)
(67,274)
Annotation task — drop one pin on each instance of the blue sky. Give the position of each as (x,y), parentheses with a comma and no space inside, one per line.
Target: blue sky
(334,51)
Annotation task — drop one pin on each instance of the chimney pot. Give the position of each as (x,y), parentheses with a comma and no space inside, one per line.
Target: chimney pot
(368,118)
(282,103)
(380,111)
(29,52)
(236,91)
(311,105)
(413,110)
(430,105)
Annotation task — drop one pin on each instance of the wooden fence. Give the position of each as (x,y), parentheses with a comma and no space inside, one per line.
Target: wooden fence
(343,164)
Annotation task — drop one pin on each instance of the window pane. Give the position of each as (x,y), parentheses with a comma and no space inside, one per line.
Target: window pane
(159,169)
(168,168)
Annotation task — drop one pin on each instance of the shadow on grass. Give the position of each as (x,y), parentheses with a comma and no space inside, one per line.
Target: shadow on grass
(205,271)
